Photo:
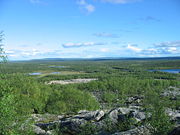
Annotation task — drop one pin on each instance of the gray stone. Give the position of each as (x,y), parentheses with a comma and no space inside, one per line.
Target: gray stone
(113,115)
(139,116)
(171,91)
(97,118)
(39,131)
(174,115)
(142,130)
(90,115)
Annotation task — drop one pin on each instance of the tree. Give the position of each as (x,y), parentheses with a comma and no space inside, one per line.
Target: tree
(7,111)
(3,57)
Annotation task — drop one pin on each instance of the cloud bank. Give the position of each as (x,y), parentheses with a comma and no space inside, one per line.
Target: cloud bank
(168,44)
(163,48)
(70,45)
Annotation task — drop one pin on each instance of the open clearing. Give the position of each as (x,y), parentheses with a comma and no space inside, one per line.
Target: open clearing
(72,81)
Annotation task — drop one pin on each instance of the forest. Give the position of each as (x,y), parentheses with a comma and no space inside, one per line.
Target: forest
(23,93)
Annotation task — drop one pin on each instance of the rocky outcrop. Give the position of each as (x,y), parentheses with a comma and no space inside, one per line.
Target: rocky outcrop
(40,131)
(97,118)
(100,120)
(172,92)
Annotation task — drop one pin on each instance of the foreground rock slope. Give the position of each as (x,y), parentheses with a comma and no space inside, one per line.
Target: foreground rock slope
(100,119)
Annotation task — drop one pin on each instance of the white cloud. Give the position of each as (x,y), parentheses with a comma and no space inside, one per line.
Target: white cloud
(69,45)
(32,52)
(104,50)
(119,1)
(88,7)
(154,51)
(134,48)
(9,52)
(172,49)
(168,44)
(23,53)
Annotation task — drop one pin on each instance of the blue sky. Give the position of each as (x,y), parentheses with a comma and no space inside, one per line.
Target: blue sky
(90,28)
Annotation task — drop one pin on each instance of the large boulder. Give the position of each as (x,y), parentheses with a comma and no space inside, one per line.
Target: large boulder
(40,131)
(90,115)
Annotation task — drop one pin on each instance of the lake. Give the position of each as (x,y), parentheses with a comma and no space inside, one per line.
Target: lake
(55,72)
(175,71)
(35,73)
(57,66)
(39,73)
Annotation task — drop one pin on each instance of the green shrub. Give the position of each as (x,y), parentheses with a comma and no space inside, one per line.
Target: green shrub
(109,97)
(70,100)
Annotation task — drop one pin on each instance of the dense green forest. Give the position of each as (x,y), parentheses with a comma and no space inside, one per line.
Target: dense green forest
(22,94)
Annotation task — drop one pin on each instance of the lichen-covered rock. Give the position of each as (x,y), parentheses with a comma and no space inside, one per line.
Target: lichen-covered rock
(135,100)
(142,130)
(90,115)
(40,131)
(171,92)
(113,115)
(174,115)
(99,119)
(72,125)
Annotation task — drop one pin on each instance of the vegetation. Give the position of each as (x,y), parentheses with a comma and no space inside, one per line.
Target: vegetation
(22,95)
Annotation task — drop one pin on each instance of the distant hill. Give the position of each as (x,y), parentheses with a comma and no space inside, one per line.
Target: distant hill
(107,58)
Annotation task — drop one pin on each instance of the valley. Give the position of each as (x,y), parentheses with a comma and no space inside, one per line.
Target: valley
(109,97)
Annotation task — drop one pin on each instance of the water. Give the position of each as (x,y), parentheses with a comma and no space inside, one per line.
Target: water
(175,71)
(57,66)
(35,73)
(39,73)
(55,73)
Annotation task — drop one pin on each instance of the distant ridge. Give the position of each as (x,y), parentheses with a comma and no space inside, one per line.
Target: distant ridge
(107,58)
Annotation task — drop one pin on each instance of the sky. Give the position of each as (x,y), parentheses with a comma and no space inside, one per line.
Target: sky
(35,29)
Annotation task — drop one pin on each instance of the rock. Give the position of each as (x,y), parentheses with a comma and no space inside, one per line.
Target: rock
(90,115)
(122,114)
(45,117)
(73,125)
(113,115)
(124,110)
(174,115)
(49,125)
(100,115)
(172,92)
(39,131)
(175,131)
(99,119)
(142,130)
(139,116)
(134,100)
